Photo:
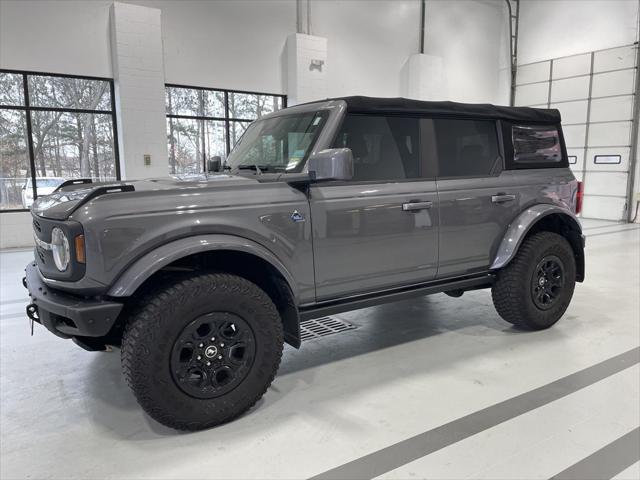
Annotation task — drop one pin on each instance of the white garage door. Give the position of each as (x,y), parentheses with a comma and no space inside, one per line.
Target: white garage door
(595,94)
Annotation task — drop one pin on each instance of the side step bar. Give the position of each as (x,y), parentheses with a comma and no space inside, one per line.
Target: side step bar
(372,299)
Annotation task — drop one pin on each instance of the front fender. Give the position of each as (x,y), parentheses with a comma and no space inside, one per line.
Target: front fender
(518,229)
(135,275)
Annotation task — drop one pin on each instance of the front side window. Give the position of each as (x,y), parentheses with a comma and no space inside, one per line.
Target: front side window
(536,144)
(278,144)
(383,147)
(466,148)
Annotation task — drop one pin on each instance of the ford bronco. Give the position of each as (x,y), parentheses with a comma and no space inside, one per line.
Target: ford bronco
(319,209)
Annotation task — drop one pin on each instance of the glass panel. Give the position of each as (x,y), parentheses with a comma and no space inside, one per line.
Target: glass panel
(608,159)
(237,130)
(243,105)
(71,93)
(268,104)
(194,102)
(71,145)
(215,139)
(384,148)
(15,174)
(536,144)
(276,144)
(192,143)
(11,89)
(466,148)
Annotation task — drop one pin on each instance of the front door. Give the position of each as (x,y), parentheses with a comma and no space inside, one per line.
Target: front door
(381,229)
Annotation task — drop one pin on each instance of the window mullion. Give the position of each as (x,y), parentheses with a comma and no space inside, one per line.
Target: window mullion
(32,159)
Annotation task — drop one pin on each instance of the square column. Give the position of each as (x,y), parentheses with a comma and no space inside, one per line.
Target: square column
(306,68)
(138,71)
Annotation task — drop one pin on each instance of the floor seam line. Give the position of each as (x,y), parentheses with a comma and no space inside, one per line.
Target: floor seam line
(406,451)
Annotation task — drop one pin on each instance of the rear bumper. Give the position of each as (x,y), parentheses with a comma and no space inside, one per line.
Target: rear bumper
(67,315)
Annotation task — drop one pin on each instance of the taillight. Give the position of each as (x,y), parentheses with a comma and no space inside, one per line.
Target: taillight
(579,197)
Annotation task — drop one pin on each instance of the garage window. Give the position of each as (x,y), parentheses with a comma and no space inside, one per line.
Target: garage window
(53,128)
(203,123)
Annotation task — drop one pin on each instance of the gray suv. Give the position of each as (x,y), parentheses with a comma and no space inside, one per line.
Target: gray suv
(321,208)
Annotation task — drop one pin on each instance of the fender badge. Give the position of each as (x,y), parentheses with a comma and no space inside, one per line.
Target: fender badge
(297,216)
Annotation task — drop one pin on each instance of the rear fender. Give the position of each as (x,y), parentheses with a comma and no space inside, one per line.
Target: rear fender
(536,218)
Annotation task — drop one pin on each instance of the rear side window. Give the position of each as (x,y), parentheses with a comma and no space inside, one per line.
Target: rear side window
(466,148)
(383,147)
(536,144)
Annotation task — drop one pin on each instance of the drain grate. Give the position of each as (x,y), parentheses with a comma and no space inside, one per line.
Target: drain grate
(321,327)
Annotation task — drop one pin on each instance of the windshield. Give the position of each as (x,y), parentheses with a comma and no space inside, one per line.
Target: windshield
(278,144)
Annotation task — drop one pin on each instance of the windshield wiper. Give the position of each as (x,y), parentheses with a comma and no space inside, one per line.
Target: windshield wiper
(258,168)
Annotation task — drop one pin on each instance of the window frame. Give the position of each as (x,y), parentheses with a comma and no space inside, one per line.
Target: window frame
(28,109)
(227,119)
(429,161)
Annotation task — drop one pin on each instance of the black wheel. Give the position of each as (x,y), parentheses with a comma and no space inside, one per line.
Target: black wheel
(202,351)
(535,288)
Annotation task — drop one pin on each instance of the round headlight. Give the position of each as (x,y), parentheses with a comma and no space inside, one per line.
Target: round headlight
(60,249)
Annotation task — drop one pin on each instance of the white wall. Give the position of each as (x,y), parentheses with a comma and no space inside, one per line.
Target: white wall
(472,37)
(226,43)
(564,27)
(368,43)
(371,40)
(56,36)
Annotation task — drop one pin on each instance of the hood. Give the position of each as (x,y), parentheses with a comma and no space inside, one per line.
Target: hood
(63,202)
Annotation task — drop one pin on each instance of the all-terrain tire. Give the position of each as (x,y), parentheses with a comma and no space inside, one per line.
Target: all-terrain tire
(515,291)
(159,322)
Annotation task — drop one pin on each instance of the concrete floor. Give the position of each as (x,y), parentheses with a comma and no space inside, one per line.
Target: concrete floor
(435,387)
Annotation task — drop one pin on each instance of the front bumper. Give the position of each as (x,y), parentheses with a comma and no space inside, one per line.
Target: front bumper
(67,315)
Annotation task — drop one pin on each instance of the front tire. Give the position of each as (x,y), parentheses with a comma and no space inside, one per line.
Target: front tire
(534,290)
(203,350)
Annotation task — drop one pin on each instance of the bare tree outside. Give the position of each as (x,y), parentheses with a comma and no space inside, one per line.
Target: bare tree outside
(197,124)
(71,133)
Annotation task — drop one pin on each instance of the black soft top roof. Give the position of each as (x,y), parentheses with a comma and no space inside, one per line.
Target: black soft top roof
(359,104)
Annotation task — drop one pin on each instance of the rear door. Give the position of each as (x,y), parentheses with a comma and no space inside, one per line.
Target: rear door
(477,199)
(379,230)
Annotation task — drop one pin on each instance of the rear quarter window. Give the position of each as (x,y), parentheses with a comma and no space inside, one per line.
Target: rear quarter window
(536,146)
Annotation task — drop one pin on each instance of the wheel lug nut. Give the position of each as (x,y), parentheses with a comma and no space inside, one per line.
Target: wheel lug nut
(199,357)
(213,339)
(222,344)
(219,357)
(201,345)
(208,364)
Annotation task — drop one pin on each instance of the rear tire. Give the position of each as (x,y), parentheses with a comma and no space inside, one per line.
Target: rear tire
(201,351)
(534,290)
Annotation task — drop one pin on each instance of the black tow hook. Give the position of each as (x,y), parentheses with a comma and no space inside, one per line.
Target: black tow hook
(32,313)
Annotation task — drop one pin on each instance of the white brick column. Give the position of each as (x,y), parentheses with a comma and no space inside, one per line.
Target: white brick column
(138,71)
(306,68)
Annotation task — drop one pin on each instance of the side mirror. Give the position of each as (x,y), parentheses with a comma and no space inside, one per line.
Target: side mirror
(214,164)
(332,164)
